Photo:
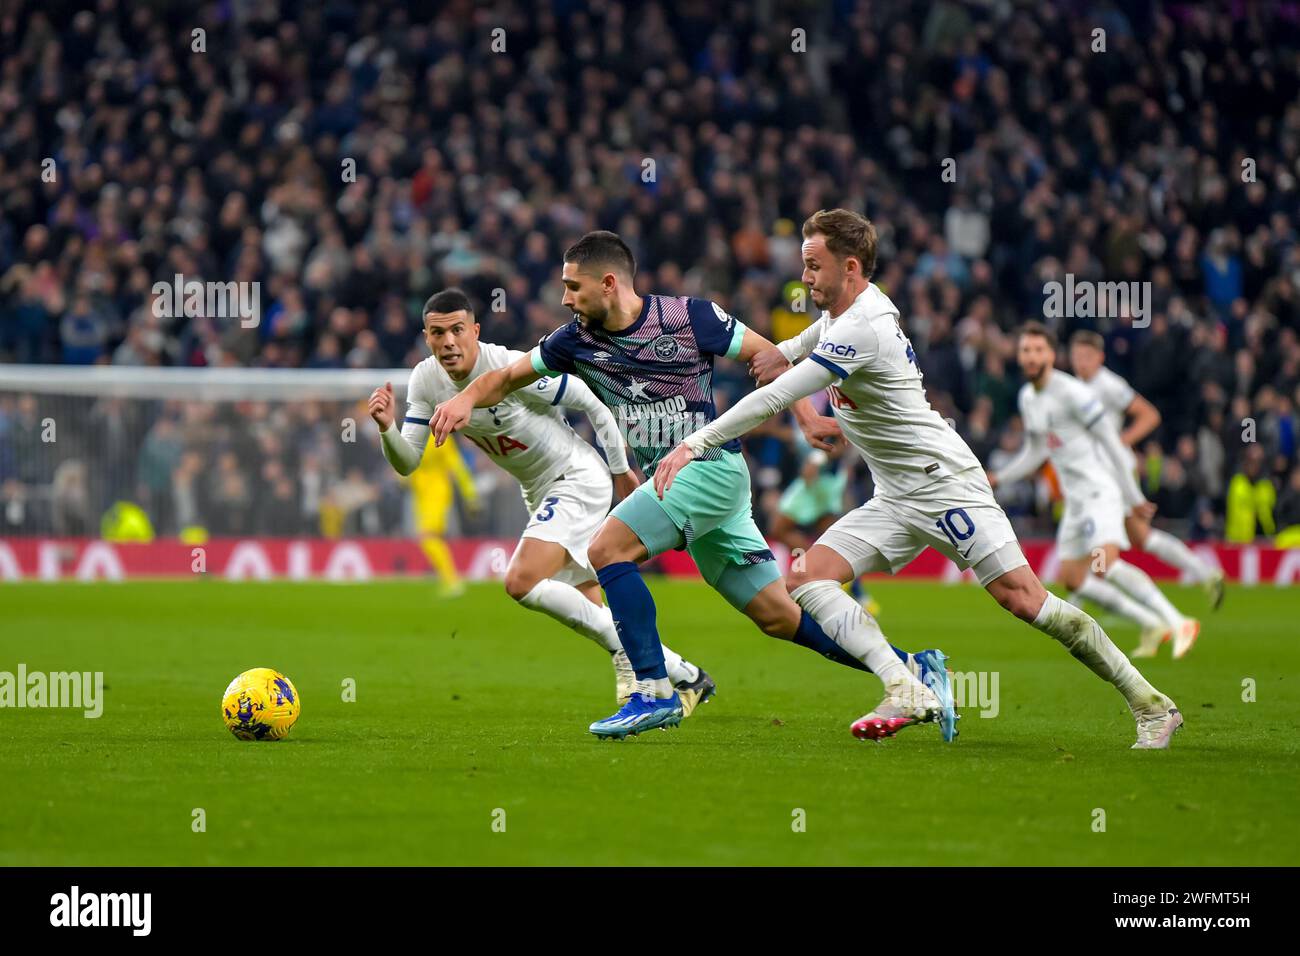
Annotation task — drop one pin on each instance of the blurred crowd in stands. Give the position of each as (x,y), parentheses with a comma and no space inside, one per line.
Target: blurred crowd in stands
(354,156)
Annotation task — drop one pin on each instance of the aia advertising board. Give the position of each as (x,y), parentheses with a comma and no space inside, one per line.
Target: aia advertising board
(362,559)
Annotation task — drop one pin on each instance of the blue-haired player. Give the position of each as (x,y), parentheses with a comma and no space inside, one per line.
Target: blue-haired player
(650,359)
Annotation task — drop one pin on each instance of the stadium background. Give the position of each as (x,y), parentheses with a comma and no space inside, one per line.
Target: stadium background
(477,168)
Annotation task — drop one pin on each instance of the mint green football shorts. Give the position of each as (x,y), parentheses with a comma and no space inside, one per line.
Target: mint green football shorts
(707,509)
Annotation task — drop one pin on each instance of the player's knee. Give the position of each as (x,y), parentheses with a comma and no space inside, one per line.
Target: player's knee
(795,579)
(1017,603)
(1024,599)
(519,581)
(778,624)
(1072,578)
(606,549)
(601,553)
(1026,606)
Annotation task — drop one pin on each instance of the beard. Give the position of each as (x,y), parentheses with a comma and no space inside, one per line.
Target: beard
(822,298)
(1034,372)
(594,318)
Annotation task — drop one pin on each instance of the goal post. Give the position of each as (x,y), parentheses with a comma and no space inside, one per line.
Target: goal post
(125,453)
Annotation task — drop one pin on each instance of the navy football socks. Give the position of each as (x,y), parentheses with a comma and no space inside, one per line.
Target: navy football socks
(633,608)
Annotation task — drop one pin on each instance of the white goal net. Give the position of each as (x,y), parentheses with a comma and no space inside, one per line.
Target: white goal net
(226,452)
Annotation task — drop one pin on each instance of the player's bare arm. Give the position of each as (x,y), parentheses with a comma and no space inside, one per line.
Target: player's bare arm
(485,391)
(819,429)
(1145,419)
(768,363)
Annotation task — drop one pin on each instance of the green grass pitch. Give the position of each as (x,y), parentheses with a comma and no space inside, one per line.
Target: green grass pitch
(467,707)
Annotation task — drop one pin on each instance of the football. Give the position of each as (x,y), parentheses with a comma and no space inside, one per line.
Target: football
(260,704)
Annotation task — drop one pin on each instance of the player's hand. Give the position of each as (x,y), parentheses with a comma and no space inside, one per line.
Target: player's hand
(676,460)
(626,483)
(1145,510)
(452,415)
(993,479)
(821,431)
(383,406)
(767,365)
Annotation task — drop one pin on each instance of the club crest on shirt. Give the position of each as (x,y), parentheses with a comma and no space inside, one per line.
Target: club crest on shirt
(665,348)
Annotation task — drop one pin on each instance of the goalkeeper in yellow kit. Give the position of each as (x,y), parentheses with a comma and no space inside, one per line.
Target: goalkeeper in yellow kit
(442,471)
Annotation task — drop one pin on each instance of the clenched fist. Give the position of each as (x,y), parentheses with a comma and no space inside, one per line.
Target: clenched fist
(383,406)
(767,365)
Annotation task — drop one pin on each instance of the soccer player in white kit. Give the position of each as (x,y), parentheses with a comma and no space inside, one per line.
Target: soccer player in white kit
(1067,423)
(930,489)
(565,484)
(1087,359)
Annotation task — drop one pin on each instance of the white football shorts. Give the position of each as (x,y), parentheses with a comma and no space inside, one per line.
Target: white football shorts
(956,515)
(568,511)
(1090,522)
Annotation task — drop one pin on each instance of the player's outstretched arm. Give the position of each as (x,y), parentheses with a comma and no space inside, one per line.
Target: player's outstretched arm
(818,429)
(1114,451)
(403,447)
(487,390)
(767,363)
(1146,419)
(758,406)
(1031,457)
(578,396)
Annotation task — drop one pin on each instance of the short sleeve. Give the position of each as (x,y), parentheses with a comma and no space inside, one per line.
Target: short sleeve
(419,399)
(547,390)
(846,345)
(1086,405)
(554,353)
(1119,394)
(716,332)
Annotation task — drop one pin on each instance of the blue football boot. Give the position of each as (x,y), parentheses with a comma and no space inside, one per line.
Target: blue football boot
(932,671)
(641,712)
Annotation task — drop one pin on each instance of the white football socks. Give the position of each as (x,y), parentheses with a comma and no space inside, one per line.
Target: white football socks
(1177,555)
(1088,643)
(1103,593)
(1134,582)
(852,628)
(567,605)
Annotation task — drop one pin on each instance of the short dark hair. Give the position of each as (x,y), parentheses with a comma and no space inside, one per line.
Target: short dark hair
(1088,337)
(1040,330)
(448,300)
(602,249)
(847,234)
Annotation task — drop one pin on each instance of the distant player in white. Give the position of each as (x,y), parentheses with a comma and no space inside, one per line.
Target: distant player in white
(1067,423)
(930,489)
(565,484)
(1087,358)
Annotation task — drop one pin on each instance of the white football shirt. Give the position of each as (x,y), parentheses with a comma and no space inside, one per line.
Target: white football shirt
(527,434)
(1062,415)
(880,402)
(1115,394)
